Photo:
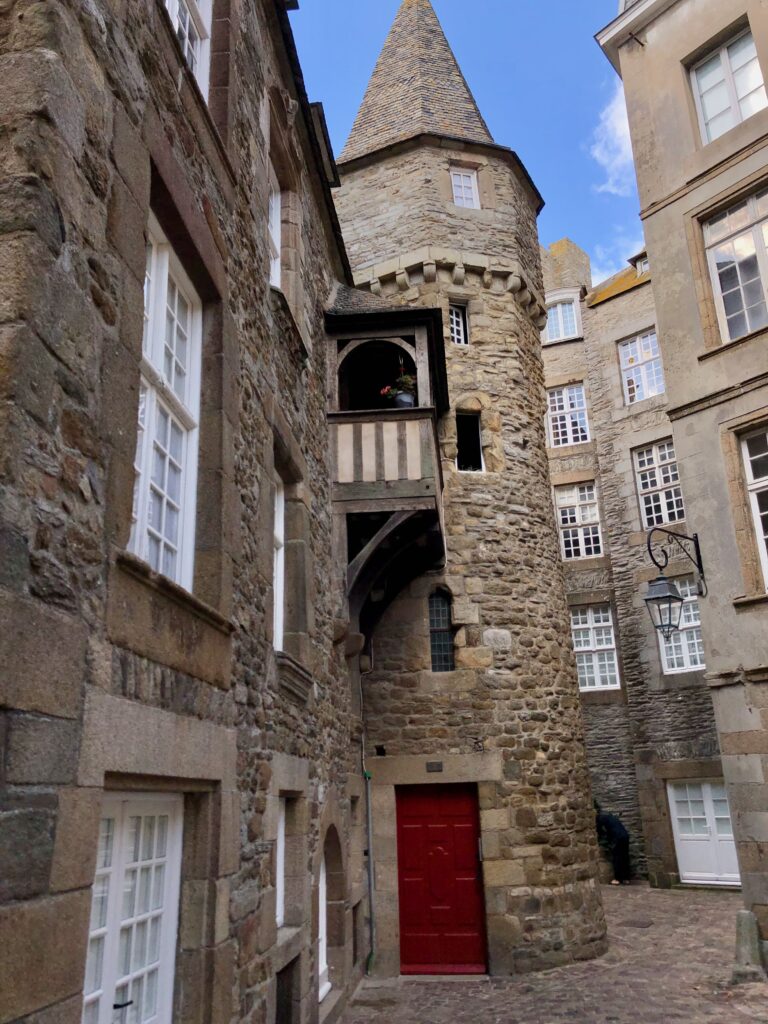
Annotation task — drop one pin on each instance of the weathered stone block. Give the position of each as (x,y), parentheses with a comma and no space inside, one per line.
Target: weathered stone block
(26,847)
(77,825)
(42,952)
(503,872)
(41,750)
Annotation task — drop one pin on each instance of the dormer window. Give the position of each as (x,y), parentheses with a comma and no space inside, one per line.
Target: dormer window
(642,266)
(728,86)
(465,190)
(563,317)
(192,22)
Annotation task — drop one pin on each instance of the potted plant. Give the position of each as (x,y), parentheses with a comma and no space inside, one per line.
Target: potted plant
(403,391)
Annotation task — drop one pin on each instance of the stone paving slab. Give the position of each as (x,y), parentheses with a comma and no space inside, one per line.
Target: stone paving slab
(669,962)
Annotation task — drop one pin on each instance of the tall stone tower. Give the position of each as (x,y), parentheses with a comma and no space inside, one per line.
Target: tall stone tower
(470,697)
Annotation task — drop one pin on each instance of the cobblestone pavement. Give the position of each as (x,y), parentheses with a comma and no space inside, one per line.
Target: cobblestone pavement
(669,961)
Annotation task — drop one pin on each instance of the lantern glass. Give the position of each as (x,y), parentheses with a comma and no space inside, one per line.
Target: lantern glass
(665,606)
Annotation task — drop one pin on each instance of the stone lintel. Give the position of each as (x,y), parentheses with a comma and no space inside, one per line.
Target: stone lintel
(409,769)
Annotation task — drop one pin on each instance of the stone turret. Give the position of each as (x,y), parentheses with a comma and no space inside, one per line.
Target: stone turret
(436,214)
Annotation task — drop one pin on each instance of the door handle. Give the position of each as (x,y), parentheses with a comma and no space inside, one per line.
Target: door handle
(122,1006)
(480,849)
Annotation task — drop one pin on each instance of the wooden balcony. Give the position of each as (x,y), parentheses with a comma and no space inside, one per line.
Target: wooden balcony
(386,460)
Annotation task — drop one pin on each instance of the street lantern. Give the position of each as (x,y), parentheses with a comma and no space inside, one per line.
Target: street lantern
(663,600)
(665,605)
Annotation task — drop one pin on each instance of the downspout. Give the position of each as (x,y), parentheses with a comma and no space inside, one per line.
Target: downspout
(369,828)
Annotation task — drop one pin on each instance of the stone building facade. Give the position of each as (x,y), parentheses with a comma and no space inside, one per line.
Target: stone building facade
(159,738)
(200,560)
(702,159)
(434,213)
(647,707)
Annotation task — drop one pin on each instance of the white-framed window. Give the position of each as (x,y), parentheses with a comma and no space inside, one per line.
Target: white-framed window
(736,242)
(567,416)
(728,86)
(658,484)
(684,651)
(755,452)
(465,190)
(192,21)
(642,374)
(165,489)
(275,230)
(642,266)
(594,642)
(563,321)
(578,518)
(459,324)
(134,911)
(280,862)
(278,576)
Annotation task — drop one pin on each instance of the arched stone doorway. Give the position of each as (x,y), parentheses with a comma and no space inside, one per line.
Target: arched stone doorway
(331,924)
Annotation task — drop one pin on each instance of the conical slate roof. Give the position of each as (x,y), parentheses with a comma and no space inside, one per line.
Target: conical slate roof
(416,87)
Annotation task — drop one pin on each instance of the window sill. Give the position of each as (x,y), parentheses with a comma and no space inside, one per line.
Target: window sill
(279,298)
(587,447)
(562,341)
(726,346)
(149,614)
(602,695)
(747,600)
(294,679)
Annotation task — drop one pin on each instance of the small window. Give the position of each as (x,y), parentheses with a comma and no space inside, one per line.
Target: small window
(441,633)
(280,863)
(641,371)
(684,651)
(192,21)
(134,907)
(594,642)
(738,265)
(562,321)
(567,416)
(578,518)
(728,87)
(469,457)
(274,225)
(658,484)
(643,266)
(459,325)
(278,578)
(165,464)
(465,191)
(755,452)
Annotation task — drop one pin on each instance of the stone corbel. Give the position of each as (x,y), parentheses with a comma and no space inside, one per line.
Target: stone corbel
(375,285)
(403,280)
(430,273)
(487,279)
(524,297)
(514,283)
(459,273)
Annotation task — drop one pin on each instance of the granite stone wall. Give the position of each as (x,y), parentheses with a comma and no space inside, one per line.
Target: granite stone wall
(112,677)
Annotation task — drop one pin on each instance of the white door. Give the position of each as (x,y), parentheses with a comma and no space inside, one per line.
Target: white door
(322,934)
(134,911)
(701,821)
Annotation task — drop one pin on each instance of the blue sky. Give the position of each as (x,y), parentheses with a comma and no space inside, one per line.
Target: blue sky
(541,82)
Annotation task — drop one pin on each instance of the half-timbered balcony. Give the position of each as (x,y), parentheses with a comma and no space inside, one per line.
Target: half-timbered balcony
(387,477)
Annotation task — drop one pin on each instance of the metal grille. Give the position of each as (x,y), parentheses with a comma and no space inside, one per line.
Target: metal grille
(441,633)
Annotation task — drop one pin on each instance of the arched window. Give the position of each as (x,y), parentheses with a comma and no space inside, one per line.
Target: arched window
(441,632)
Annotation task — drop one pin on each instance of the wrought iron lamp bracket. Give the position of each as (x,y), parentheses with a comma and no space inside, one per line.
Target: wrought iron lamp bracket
(660,552)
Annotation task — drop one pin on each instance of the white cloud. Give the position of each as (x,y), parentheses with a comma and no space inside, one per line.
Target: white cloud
(611,257)
(611,147)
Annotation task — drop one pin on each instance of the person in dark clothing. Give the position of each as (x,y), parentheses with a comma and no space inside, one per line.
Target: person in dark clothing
(615,837)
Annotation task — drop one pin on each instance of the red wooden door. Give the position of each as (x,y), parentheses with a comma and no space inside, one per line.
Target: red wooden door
(442,917)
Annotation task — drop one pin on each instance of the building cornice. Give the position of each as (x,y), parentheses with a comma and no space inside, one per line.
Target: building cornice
(635,18)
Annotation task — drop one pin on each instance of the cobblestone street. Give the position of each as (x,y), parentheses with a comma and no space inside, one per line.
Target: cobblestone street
(669,960)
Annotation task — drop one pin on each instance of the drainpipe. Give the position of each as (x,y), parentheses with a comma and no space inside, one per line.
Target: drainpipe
(369,827)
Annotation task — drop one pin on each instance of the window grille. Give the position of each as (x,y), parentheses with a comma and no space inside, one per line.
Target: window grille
(441,633)
(658,484)
(641,370)
(684,651)
(465,191)
(579,521)
(594,642)
(567,416)
(459,325)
